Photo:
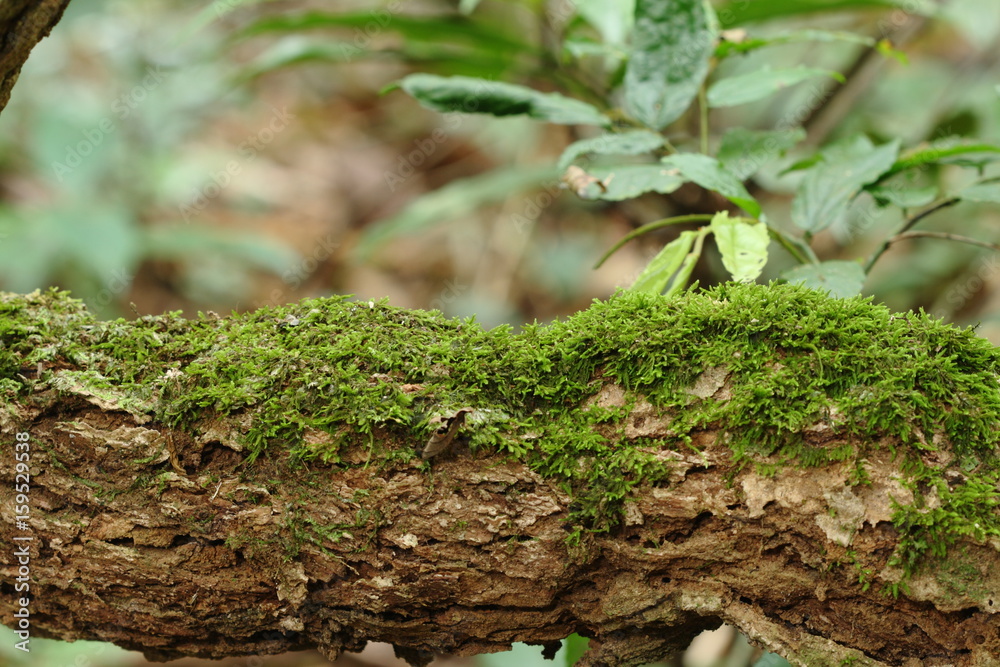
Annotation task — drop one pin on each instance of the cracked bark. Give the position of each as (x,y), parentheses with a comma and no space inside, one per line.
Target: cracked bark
(163,541)
(23,23)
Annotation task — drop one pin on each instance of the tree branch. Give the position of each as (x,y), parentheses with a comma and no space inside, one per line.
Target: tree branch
(23,23)
(799,466)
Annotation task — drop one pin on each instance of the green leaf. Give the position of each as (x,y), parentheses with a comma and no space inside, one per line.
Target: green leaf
(744,151)
(612,18)
(842,279)
(743,244)
(186,241)
(738,12)
(727,48)
(454,200)
(981,192)
(771,660)
(756,85)
(211,13)
(829,186)
(634,142)
(708,173)
(946,151)
(656,275)
(471,95)
(631,180)
(426,29)
(672,44)
(683,276)
(298,49)
(903,197)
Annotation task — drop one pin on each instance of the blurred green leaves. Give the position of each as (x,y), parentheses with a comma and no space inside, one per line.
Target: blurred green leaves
(830,185)
(643,73)
(707,172)
(634,142)
(762,83)
(454,200)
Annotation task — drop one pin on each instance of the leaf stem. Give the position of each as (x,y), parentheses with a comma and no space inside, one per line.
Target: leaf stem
(793,246)
(703,120)
(945,236)
(648,227)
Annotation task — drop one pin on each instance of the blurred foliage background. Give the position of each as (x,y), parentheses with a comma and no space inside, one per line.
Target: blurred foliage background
(191,156)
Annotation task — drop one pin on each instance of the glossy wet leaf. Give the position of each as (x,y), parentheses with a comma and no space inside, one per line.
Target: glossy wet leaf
(471,95)
(672,44)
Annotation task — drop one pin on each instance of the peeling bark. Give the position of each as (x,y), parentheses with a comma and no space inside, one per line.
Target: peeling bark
(170,541)
(23,23)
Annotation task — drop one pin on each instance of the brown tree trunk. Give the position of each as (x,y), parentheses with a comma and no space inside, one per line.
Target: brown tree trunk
(161,519)
(23,23)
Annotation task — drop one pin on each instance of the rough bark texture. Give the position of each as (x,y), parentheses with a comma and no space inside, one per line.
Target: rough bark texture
(23,23)
(164,519)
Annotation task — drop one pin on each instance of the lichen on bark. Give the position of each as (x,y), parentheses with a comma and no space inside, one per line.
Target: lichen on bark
(644,469)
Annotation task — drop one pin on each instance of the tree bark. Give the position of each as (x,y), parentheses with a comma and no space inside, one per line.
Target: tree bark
(254,485)
(23,23)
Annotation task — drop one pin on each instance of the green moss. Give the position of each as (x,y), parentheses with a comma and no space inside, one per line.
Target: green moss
(363,374)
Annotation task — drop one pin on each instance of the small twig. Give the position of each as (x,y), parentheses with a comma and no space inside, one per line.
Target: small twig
(862,73)
(906,226)
(945,236)
(650,226)
(793,246)
(703,118)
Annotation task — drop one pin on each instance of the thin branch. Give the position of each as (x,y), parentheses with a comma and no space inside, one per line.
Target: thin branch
(906,226)
(945,236)
(864,71)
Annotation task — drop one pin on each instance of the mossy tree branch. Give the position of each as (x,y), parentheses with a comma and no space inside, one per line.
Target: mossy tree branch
(819,473)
